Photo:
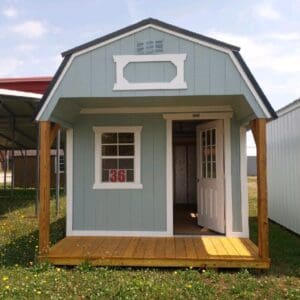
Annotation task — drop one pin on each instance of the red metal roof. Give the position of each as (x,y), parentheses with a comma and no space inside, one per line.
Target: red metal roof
(26,84)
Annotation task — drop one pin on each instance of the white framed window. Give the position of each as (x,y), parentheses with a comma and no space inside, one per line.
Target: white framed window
(118,157)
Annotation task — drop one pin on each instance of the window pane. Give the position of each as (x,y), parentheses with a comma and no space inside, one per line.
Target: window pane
(109,138)
(126,150)
(214,172)
(203,138)
(213,135)
(105,175)
(203,170)
(109,150)
(109,164)
(130,176)
(126,138)
(126,163)
(208,137)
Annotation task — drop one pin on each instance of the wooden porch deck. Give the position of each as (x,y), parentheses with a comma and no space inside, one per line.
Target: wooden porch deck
(212,252)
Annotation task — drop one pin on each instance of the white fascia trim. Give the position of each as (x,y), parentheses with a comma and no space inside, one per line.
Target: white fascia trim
(227,178)
(219,48)
(117,186)
(155,109)
(199,116)
(237,234)
(244,181)
(69,178)
(117,233)
(15,93)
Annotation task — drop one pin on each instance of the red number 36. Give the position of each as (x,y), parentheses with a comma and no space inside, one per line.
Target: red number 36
(117,175)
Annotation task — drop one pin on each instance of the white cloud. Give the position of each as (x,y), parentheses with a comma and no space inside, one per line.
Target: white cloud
(266,11)
(10,12)
(9,66)
(292,36)
(30,29)
(132,10)
(26,48)
(261,52)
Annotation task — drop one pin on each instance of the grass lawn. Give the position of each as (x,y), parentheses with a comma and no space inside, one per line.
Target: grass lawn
(21,276)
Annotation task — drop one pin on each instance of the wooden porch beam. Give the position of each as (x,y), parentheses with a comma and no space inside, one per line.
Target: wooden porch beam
(47,134)
(258,127)
(53,132)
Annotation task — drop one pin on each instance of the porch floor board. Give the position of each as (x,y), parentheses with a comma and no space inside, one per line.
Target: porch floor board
(189,251)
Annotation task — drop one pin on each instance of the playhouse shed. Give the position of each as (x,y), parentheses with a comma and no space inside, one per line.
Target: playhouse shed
(156,120)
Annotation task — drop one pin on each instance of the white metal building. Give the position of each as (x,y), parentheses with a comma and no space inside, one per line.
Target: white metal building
(283,141)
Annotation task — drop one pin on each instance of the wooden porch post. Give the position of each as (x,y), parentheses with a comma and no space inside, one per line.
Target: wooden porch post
(47,135)
(258,127)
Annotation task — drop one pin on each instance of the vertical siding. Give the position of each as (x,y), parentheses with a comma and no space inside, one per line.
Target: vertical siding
(133,210)
(284,170)
(126,210)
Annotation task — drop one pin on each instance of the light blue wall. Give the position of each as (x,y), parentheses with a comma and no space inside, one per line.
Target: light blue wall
(135,210)
(207,72)
(132,210)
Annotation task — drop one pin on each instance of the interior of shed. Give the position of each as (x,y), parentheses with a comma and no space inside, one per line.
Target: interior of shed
(185,179)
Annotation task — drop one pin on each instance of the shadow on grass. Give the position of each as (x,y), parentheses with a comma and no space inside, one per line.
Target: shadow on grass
(23,250)
(284,249)
(20,198)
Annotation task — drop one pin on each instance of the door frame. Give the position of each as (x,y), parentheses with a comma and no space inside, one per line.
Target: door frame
(225,116)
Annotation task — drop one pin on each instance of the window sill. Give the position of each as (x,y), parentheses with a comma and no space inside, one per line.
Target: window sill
(118,186)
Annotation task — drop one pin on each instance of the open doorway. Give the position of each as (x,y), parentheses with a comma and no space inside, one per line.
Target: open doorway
(196,211)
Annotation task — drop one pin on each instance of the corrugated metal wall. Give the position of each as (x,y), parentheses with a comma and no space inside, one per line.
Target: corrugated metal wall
(283,139)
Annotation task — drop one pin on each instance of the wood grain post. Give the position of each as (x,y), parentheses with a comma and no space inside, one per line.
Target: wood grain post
(259,132)
(44,187)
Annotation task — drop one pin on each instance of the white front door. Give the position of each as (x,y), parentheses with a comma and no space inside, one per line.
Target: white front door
(210,176)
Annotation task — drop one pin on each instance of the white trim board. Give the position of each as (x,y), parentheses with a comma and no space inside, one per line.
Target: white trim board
(177,82)
(156,109)
(244,182)
(219,48)
(69,174)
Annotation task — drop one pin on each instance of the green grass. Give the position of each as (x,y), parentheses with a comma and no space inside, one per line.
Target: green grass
(22,277)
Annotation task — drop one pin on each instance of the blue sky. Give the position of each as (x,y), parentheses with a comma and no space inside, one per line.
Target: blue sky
(33,33)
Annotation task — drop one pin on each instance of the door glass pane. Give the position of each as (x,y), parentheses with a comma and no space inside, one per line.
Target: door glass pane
(214,171)
(213,137)
(203,138)
(204,170)
(109,138)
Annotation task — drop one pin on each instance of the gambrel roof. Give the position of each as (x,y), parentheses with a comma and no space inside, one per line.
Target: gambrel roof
(234,50)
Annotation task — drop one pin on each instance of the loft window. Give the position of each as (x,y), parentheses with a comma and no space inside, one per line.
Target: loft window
(117,157)
(149,47)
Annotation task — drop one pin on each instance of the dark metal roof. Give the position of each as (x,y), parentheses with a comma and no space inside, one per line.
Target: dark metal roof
(67,54)
(16,111)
